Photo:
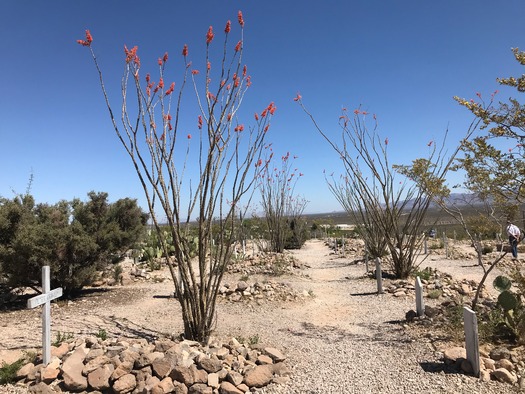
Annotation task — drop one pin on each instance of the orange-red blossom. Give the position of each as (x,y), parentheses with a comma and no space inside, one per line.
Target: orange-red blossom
(87,42)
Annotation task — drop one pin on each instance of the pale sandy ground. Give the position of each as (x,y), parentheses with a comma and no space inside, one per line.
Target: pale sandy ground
(344,309)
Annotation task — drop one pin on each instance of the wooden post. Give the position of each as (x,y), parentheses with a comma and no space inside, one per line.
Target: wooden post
(379,277)
(420,304)
(471,339)
(366,261)
(45,299)
(425,243)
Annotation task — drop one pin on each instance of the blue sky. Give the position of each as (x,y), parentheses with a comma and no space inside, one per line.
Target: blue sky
(402,60)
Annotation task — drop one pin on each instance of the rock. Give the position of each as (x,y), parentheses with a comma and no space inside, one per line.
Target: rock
(95,363)
(504,375)
(275,354)
(213,380)
(41,388)
(72,370)
(488,363)
(466,366)
(242,286)
(147,359)
(94,353)
(410,315)
(166,385)
(235,378)
(179,388)
(162,367)
(60,351)
(151,383)
(200,388)
(99,378)
(123,369)
(504,363)
(281,369)
(452,355)
(431,311)
(25,371)
(200,375)
(500,353)
(259,376)
(51,371)
(125,384)
(210,365)
(183,374)
(264,359)
(228,388)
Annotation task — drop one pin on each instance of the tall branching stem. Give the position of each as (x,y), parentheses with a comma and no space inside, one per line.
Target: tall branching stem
(209,183)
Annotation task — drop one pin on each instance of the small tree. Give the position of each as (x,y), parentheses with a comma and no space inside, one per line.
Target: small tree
(282,209)
(494,170)
(152,133)
(389,212)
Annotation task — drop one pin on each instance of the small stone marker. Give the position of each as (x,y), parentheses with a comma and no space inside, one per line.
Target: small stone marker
(379,277)
(471,339)
(420,304)
(45,299)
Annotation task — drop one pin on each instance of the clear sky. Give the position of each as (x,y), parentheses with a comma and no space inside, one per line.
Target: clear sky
(402,60)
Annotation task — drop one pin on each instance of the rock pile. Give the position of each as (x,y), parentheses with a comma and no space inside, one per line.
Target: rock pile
(165,366)
(499,364)
(259,292)
(266,263)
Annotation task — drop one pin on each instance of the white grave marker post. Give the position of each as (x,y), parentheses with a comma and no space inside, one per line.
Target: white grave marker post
(471,339)
(45,299)
(379,277)
(420,304)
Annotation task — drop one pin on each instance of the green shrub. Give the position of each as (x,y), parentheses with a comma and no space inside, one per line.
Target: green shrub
(434,294)
(424,274)
(62,337)
(102,334)
(8,371)
(76,239)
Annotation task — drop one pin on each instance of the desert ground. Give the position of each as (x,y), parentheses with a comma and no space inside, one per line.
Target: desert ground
(338,334)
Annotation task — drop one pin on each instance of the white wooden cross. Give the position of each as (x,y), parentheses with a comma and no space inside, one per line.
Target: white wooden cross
(45,299)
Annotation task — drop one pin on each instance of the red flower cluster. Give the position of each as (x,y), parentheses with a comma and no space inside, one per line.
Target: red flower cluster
(240,19)
(87,42)
(194,72)
(209,35)
(131,54)
(228,27)
(239,128)
(185,50)
(199,125)
(238,46)
(171,89)
(298,97)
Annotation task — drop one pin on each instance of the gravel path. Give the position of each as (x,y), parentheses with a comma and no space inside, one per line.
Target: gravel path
(344,339)
(349,339)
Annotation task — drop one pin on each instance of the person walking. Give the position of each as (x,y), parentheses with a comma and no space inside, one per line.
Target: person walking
(514,238)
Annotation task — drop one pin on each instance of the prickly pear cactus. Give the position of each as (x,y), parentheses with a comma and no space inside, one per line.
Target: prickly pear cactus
(508,300)
(502,283)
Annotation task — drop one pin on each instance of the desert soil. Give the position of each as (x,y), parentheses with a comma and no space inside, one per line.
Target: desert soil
(342,338)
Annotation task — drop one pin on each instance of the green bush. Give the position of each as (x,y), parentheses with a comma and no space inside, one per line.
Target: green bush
(75,239)
(8,371)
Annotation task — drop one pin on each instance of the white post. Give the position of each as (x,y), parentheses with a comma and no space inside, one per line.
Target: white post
(379,277)
(45,299)
(471,339)
(420,304)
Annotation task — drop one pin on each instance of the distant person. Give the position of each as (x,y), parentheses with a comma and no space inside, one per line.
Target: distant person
(514,238)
